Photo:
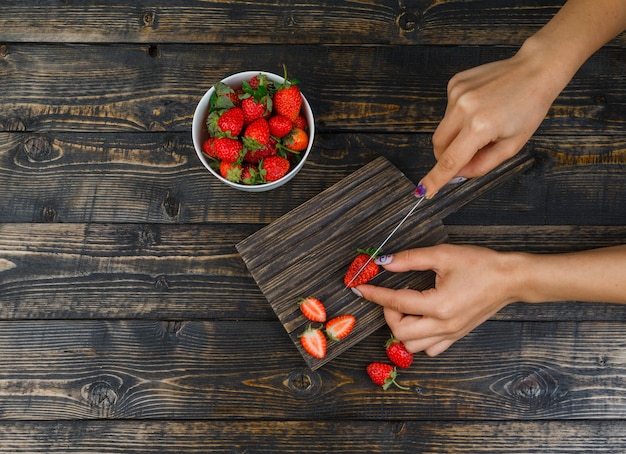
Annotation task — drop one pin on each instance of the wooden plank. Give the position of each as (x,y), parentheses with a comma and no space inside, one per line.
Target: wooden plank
(157,178)
(228,370)
(324,437)
(356,213)
(81,271)
(123,87)
(442,22)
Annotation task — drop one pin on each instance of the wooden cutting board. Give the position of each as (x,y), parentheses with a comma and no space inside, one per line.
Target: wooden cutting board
(307,251)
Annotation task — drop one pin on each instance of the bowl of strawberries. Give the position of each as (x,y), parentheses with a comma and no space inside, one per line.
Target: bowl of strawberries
(253,130)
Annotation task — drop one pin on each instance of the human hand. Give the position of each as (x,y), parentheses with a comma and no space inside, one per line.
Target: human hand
(472,283)
(492,111)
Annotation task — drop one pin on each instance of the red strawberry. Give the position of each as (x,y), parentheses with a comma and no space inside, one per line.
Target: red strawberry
(280,126)
(398,354)
(274,167)
(254,156)
(383,374)
(254,82)
(224,98)
(287,102)
(300,122)
(313,309)
(250,174)
(257,134)
(252,110)
(314,342)
(231,171)
(207,147)
(225,123)
(339,327)
(227,149)
(367,274)
(297,140)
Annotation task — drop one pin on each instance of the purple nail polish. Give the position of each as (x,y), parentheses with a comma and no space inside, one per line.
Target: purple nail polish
(384,259)
(420,191)
(356,292)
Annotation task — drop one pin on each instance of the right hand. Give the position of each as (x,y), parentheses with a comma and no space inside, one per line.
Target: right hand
(492,111)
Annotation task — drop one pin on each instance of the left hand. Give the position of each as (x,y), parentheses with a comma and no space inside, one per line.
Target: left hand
(472,283)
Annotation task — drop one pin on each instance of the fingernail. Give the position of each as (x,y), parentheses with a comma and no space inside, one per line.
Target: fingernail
(383,259)
(420,191)
(356,292)
(458,180)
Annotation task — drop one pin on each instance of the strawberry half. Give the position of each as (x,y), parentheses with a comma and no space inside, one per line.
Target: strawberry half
(370,271)
(383,374)
(314,342)
(339,327)
(313,309)
(398,354)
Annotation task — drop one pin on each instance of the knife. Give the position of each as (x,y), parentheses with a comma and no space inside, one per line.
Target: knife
(419,192)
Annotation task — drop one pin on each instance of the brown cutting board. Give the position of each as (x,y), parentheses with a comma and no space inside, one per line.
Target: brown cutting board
(307,251)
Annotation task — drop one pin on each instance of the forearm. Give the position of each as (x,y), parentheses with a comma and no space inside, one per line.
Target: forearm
(578,30)
(597,275)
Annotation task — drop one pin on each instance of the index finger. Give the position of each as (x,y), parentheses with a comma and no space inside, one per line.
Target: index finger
(460,151)
(405,301)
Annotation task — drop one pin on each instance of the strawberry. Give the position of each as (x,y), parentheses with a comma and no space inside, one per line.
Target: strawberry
(300,122)
(297,140)
(371,270)
(339,327)
(231,171)
(227,149)
(207,147)
(250,174)
(280,126)
(274,167)
(287,99)
(398,354)
(383,374)
(225,122)
(313,309)
(257,134)
(253,109)
(256,100)
(254,156)
(224,97)
(314,342)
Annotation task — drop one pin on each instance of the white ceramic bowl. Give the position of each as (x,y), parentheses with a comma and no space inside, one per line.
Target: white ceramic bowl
(200,133)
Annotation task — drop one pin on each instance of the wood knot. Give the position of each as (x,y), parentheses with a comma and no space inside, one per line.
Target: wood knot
(100,395)
(147,236)
(149,19)
(154,51)
(171,206)
(161,284)
(4,50)
(37,148)
(304,382)
(408,20)
(536,388)
(49,214)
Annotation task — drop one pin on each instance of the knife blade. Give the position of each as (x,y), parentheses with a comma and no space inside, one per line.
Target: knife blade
(379,248)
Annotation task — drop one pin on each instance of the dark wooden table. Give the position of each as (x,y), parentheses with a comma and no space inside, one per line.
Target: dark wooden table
(129,323)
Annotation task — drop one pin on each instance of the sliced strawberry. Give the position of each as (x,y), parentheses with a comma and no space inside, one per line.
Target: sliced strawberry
(314,342)
(313,309)
(339,327)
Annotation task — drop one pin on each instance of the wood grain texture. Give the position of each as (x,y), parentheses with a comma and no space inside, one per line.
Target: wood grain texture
(338,22)
(124,369)
(108,271)
(323,437)
(150,178)
(123,87)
